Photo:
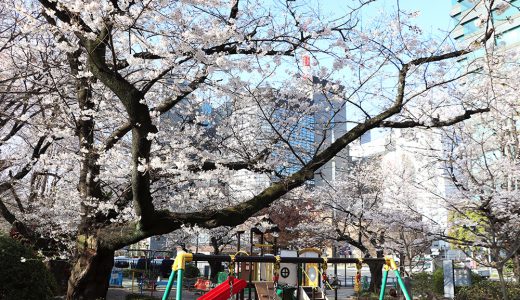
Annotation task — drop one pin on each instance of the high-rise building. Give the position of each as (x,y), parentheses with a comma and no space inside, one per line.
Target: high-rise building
(471,24)
(470,17)
(330,124)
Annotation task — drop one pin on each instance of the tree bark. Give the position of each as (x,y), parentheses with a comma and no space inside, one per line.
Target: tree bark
(60,269)
(215,267)
(89,278)
(516,266)
(503,287)
(376,274)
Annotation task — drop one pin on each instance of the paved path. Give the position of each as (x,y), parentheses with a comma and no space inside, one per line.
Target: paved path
(121,293)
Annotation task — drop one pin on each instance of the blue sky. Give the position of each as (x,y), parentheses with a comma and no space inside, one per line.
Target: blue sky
(434,16)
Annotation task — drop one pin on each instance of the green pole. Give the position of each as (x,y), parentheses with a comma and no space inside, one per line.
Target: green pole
(178,292)
(383,284)
(169,286)
(401,284)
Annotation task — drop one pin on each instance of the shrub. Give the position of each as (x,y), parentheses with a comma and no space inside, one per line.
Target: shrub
(487,290)
(425,284)
(476,279)
(422,284)
(438,281)
(22,274)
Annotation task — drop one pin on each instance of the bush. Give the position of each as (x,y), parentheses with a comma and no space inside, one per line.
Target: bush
(476,279)
(438,281)
(487,290)
(22,274)
(425,283)
(422,284)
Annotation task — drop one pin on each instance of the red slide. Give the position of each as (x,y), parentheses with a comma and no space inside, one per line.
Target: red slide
(222,291)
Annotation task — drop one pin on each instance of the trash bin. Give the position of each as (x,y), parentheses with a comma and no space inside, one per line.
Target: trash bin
(286,292)
(221,277)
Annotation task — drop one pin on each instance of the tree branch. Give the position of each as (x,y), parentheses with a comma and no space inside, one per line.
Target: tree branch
(434,122)
(162,108)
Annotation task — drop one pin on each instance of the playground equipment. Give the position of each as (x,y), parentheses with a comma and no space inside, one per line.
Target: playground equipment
(311,263)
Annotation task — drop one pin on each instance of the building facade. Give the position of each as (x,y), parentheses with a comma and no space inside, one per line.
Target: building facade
(469,17)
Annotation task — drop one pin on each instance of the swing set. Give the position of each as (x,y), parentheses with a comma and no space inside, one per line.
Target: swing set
(233,286)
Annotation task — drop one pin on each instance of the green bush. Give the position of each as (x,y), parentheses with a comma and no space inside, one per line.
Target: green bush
(438,281)
(424,284)
(487,290)
(476,279)
(22,274)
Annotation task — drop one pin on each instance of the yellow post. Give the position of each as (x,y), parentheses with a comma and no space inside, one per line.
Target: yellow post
(179,265)
(391,263)
(133,281)
(357,282)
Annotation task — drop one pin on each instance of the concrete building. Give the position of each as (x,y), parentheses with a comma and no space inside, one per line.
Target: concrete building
(331,122)
(412,151)
(151,244)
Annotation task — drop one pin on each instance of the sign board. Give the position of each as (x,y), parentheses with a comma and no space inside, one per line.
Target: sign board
(462,276)
(306,61)
(116,277)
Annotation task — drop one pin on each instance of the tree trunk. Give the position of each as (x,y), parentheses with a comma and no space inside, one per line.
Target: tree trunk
(90,275)
(502,283)
(516,266)
(376,276)
(402,261)
(215,268)
(60,269)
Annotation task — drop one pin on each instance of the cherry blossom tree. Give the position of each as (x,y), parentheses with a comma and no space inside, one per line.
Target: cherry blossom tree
(367,206)
(138,116)
(28,127)
(484,169)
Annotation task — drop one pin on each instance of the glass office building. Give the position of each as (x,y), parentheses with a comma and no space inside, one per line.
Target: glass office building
(469,17)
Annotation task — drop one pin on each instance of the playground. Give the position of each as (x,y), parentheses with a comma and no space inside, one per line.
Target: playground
(303,276)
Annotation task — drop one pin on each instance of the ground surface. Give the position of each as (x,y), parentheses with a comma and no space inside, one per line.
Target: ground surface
(121,293)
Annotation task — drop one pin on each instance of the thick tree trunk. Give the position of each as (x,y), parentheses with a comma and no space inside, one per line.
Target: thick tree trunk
(90,275)
(503,287)
(215,267)
(60,269)
(376,276)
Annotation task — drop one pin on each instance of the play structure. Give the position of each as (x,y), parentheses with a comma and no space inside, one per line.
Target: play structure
(303,274)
